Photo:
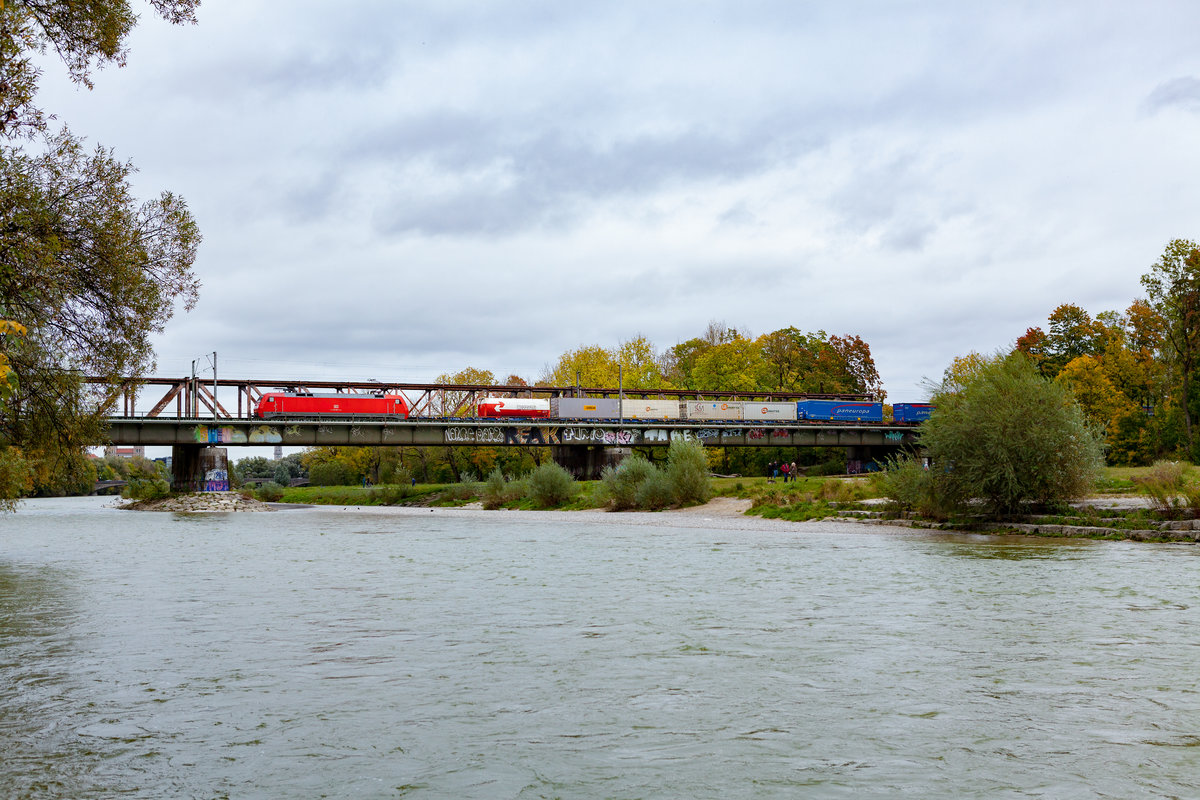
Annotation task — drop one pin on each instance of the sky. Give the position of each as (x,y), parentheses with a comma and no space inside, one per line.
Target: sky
(395,190)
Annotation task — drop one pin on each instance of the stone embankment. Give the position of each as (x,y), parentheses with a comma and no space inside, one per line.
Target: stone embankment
(200,502)
(1187,531)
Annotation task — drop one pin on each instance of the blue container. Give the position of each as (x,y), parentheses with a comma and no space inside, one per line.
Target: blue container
(840,410)
(911,412)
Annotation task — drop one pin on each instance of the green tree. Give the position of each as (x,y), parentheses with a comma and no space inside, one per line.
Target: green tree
(732,366)
(1007,436)
(1173,288)
(90,272)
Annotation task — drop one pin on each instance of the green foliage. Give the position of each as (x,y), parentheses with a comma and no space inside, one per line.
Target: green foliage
(910,486)
(329,473)
(389,494)
(494,489)
(16,477)
(88,272)
(1010,437)
(655,492)
(270,492)
(1171,488)
(621,483)
(146,489)
(551,486)
(1173,288)
(687,472)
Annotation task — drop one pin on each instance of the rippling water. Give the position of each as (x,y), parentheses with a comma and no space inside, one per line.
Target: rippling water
(335,653)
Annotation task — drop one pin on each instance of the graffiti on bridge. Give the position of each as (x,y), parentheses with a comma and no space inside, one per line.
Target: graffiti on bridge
(597,436)
(227,434)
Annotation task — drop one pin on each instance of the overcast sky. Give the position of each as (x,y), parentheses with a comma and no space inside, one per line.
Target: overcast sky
(393,190)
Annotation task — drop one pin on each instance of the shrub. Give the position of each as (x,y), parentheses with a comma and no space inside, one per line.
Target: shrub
(146,489)
(494,489)
(390,495)
(550,485)
(656,491)
(687,470)
(1007,436)
(1163,483)
(459,492)
(621,483)
(270,492)
(909,486)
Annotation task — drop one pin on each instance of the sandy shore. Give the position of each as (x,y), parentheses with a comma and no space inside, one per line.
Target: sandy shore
(720,513)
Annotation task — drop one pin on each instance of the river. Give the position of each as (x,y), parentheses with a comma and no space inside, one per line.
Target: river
(465,654)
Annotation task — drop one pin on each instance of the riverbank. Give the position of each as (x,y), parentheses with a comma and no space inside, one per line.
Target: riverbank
(720,512)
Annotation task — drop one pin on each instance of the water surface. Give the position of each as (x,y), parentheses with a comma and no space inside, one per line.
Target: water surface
(336,653)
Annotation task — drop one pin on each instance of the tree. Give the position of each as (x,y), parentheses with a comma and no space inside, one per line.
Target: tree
(1173,288)
(593,366)
(88,271)
(85,35)
(732,366)
(91,274)
(680,362)
(1007,436)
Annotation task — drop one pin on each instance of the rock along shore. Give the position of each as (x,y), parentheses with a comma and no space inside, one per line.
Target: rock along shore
(200,502)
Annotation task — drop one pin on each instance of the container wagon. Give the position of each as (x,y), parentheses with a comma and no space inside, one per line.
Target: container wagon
(584,408)
(911,412)
(840,410)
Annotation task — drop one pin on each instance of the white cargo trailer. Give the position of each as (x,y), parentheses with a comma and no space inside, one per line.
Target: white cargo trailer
(714,410)
(769,412)
(650,409)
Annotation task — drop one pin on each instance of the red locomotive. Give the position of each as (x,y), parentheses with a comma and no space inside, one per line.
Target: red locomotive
(288,404)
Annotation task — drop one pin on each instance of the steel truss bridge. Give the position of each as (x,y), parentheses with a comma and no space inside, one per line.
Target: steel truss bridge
(191,412)
(193,399)
(191,416)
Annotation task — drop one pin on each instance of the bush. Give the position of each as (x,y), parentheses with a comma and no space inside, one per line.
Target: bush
(621,484)
(390,495)
(551,486)
(270,492)
(1007,437)
(1168,489)
(146,489)
(459,492)
(494,489)
(655,492)
(687,469)
(909,486)
(398,475)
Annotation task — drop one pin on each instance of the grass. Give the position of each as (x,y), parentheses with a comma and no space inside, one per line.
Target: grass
(422,495)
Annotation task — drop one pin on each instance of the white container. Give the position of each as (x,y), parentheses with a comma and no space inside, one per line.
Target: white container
(769,412)
(650,409)
(714,409)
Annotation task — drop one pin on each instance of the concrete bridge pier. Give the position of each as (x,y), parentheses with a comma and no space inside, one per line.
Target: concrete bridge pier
(869,457)
(586,462)
(199,468)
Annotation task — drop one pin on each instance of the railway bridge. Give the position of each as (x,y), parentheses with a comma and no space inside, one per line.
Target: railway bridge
(440,417)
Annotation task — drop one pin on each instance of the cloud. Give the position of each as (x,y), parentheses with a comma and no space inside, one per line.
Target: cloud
(1182,93)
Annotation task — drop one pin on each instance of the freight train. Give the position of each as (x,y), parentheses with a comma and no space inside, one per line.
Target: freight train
(284,405)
